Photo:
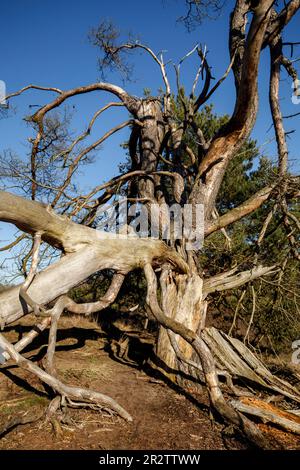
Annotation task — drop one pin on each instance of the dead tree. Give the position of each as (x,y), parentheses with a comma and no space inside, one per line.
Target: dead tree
(67,224)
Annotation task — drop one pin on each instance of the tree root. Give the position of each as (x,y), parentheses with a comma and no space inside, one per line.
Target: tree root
(99,400)
(229,414)
(231,356)
(56,415)
(19,420)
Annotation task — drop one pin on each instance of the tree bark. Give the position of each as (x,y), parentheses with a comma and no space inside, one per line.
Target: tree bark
(182,301)
(87,251)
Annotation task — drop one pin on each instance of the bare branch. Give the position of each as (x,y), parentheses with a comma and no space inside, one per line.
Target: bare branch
(87,132)
(202,97)
(216,216)
(160,63)
(236,311)
(34,87)
(205,97)
(280,20)
(83,153)
(225,281)
(129,101)
(246,337)
(65,390)
(14,243)
(246,208)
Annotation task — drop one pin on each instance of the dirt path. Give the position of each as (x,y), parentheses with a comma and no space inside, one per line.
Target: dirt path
(162,417)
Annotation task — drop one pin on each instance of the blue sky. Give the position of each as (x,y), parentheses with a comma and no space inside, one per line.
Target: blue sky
(45,43)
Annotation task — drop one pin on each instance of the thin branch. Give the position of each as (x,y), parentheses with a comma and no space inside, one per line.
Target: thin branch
(34,87)
(204,98)
(216,216)
(14,243)
(266,225)
(83,153)
(246,337)
(87,132)
(200,69)
(154,57)
(225,282)
(246,208)
(208,77)
(288,116)
(236,312)
(122,179)
(130,102)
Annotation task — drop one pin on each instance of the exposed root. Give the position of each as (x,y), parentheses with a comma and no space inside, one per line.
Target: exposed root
(198,368)
(211,348)
(54,406)
(92,397)
(15,421)
(218,402)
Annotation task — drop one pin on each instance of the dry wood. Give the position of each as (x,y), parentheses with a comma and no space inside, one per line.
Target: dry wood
(241,362)
(180,306)
(268,413)
(20,420)
(77,393)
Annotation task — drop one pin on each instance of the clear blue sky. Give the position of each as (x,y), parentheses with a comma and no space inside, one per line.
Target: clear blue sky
(45,43)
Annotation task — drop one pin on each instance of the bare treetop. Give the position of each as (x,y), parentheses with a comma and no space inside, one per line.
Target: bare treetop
(172,162)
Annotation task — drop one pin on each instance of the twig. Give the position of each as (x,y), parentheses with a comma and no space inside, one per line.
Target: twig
(236,312)
(246,337)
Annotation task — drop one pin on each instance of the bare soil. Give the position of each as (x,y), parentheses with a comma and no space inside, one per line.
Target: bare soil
(163,417)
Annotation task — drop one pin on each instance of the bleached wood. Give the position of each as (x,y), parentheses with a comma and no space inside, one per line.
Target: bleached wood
(271,414)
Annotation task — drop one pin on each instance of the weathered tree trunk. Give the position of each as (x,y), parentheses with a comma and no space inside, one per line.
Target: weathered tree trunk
(185,347)
(87,251)
(182,301)
(211,171)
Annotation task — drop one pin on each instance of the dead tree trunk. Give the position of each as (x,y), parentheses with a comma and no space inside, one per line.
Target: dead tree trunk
(159,151)
(212,168)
